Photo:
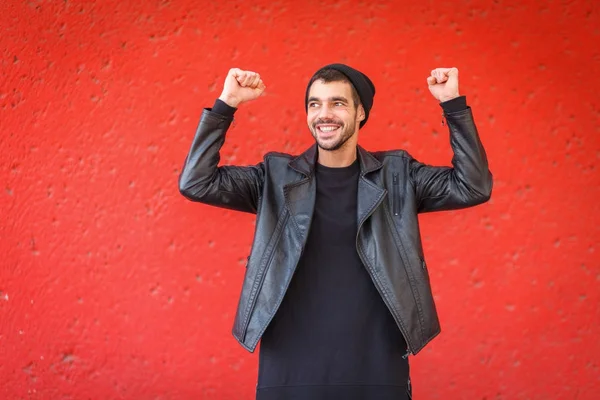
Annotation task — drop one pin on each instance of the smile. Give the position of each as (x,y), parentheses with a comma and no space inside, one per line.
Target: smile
(327,128)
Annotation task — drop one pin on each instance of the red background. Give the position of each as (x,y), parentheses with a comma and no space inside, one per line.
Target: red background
(112,285)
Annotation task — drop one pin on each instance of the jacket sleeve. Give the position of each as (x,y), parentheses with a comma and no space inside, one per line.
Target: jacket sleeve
(468,182)
(202,180)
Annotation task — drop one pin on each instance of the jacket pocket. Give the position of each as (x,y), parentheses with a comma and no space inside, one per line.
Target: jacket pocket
(395,194)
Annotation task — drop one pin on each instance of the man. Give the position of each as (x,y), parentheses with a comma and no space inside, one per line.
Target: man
(336,285)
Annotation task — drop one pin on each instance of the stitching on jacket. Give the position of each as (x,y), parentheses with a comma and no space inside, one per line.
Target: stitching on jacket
(379,285)
(262,272)
(408,270)
(386,293)
(266,325)
(285,193)
(382,288)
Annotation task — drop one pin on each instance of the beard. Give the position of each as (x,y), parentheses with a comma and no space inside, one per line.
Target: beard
(336,143)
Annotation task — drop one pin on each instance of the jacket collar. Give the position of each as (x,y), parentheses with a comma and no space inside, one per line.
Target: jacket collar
(305,162)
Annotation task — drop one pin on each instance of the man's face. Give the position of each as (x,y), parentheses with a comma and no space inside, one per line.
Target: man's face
(332,116)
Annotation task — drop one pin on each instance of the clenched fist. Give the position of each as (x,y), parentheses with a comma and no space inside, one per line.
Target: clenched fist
(443,83)
(241,86)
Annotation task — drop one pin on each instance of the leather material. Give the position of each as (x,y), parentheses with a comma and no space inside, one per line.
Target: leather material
(393,188)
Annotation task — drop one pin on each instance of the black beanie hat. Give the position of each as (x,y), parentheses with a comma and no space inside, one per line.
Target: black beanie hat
(363,85)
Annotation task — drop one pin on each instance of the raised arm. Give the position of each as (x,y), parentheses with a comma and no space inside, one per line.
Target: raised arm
(234,187)
(468,182)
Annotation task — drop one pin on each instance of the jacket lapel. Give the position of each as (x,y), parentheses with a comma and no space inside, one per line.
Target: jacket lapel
(300,196)
(370,194)
(300,201)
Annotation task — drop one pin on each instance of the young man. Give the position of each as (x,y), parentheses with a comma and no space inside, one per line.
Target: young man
(336,286)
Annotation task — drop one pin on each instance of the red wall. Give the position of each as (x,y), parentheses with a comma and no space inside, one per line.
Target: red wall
(112,285)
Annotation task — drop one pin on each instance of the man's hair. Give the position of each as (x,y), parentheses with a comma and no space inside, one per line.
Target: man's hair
(328,75)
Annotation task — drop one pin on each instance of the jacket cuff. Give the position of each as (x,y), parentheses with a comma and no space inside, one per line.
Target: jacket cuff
(220,107)
(455,105)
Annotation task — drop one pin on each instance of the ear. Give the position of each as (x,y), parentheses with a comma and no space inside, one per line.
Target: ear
(360,113)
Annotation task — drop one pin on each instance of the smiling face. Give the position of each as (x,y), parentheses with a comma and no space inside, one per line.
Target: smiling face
(333,117)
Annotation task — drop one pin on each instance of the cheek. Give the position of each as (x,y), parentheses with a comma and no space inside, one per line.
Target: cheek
(346,116)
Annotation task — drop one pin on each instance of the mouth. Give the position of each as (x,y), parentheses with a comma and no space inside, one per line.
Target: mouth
(327,130)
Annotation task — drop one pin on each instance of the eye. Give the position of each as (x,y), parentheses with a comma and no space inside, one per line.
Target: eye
(312,105)
(339,104)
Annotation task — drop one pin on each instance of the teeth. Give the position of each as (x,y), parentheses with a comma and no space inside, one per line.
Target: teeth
(328,128)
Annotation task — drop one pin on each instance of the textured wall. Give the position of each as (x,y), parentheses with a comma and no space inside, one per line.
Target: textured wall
(112,285)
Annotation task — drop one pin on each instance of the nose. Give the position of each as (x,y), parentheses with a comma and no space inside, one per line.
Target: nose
(325,111)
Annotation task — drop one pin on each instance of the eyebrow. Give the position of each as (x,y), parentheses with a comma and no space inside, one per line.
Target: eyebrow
(331,99)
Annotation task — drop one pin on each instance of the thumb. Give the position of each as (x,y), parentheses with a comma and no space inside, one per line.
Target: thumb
(453,72)
(234,73)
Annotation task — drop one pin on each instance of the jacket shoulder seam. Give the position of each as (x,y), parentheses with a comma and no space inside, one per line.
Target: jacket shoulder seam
(275,154)
(397,153)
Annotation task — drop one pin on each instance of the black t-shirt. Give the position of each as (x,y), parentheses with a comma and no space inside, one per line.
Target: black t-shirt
(333,336)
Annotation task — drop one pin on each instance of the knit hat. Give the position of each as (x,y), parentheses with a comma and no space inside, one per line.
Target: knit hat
(363,85)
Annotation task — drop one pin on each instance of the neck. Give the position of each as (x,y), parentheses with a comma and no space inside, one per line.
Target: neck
(339,158)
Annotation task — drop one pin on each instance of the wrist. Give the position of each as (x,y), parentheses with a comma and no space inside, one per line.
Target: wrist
(455,105)
(220,107)
(229,100)
(448,98)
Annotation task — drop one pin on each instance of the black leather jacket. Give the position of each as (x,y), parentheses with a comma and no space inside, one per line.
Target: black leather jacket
(392,189)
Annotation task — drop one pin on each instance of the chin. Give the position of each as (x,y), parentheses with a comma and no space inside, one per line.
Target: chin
(330,145)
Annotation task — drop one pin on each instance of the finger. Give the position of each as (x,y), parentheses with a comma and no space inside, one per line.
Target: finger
(443,71)
(439,75)
(235,72)
(254,83)
(249,78)
(448,72)
(241,77)
(431,80)
(261,86)
(238,75)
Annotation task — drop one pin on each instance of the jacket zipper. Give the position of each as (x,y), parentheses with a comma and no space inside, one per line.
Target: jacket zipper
(385,299)
(280,300)
(262,278)
(395,194)
(405,257)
